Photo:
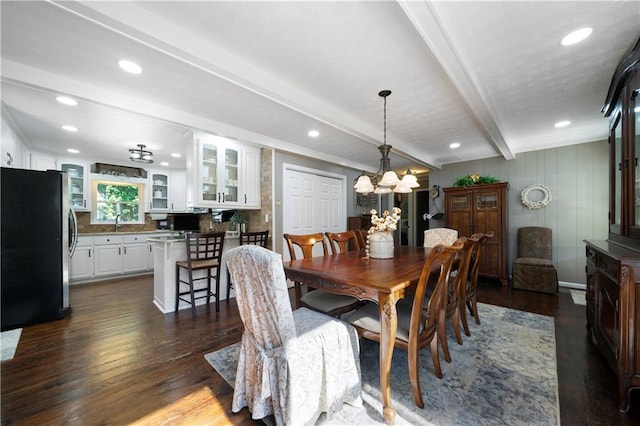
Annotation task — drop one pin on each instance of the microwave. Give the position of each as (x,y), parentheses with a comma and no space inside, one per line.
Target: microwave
(220,216)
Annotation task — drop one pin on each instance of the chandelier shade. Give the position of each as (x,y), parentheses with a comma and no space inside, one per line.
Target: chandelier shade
(385,180)
(140,155)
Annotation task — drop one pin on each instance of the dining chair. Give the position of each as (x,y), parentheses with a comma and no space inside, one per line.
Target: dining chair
(418,325)
(457,289)
(316,299)
(467,297)
(435,236)
(293,365)
(259,238)
(361,235)
(204,252)
(341,242)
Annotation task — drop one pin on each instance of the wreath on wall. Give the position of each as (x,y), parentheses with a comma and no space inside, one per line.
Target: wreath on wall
(534,205)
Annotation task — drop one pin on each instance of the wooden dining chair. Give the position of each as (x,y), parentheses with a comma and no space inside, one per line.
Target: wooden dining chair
(418,325)
(204,252)
(467,297)
(457,290)
(318,300)
(361,235)
(259,238)
(341,242)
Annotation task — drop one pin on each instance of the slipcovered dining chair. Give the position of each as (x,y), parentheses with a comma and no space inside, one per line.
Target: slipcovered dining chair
(533,269)
(421,319)
(259,238)
(435,236)
(341,242)
(318,300)
(204,253)
(292,364)
(467,297)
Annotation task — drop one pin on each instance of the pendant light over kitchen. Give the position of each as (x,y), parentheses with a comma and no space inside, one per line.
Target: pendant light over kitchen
(140,155)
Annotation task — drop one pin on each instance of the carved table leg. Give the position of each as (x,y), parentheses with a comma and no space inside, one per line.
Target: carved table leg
(389,325)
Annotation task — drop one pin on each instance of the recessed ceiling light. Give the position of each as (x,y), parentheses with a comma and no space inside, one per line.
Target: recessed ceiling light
(65,100)
(576,36)
(164,163)
(73,151)
(176,155)
(130,67)
(560,124)
(313,133)
(454,145)
(69,128)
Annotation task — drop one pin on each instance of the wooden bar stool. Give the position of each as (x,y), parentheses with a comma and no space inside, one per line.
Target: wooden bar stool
(204,251)
(259,238)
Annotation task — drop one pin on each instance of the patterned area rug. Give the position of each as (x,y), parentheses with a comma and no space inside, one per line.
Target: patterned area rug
(503,374)
(9,343)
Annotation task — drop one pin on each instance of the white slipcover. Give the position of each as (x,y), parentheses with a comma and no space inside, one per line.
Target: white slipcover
(293,365)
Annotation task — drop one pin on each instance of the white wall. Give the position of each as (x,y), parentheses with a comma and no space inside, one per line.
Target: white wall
(578,178)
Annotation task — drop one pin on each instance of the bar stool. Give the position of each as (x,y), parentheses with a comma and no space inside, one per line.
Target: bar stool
(259,238)
(204,252)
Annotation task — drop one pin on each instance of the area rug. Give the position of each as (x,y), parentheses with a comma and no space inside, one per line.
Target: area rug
(578,297)
(503,374)
(9,343)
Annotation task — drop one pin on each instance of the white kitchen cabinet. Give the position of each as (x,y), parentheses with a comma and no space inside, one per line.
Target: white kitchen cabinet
(251,193)
(40,161)
(178,191)
(12,149)
(158,192)
(217,173)
(108,252)
(79,190)
(81,264)
(135,253)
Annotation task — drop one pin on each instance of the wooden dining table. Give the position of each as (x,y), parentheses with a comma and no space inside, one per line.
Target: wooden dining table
(383,281)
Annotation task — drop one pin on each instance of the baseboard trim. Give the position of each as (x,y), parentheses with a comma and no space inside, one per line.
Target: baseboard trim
(576,286)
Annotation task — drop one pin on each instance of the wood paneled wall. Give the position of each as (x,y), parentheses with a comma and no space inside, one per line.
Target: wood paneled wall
(577,177)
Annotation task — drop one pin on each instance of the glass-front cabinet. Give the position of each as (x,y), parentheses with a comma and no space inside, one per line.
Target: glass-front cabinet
(218,175)
(78,185)
(158,194)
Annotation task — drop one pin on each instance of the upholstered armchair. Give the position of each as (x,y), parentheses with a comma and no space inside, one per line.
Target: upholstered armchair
(292,364)
(534,268)
(435,236)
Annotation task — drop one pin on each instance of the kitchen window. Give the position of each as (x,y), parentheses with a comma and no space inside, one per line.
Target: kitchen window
(112,199)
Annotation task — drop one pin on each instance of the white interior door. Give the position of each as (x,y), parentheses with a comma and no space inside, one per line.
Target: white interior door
(314,201)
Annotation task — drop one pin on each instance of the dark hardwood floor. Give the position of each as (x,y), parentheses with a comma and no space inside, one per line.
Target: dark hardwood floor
(117,360)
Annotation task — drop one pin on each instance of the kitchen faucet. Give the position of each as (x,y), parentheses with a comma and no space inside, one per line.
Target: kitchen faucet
(118,224)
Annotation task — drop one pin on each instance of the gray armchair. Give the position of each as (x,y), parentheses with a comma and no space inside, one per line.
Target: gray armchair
(534,269)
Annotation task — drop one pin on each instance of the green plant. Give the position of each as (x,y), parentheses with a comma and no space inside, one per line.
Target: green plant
(474,180)
(238,218)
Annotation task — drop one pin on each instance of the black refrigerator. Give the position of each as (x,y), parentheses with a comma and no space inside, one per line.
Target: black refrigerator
(35,235)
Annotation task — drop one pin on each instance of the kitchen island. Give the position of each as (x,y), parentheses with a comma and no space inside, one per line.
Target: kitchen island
(167,250)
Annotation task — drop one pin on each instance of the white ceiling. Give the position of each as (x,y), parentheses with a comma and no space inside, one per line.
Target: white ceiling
(489,75)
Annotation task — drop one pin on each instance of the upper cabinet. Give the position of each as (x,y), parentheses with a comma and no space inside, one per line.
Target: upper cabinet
(166,191)
(622,106)
(12,149)
(222,173)
(79,189)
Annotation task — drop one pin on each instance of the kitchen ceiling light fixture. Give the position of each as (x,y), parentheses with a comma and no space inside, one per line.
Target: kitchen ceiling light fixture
(385,180)
(140,155)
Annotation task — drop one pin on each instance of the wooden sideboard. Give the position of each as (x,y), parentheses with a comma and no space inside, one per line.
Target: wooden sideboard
(613,311)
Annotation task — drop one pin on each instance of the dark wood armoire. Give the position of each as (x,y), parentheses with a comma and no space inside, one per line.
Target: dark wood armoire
(613,266)
(481,208)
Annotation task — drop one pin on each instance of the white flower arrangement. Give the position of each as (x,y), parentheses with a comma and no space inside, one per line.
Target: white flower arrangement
(388,222)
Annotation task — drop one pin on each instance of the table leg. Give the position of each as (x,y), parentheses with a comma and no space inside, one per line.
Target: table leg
(389,325)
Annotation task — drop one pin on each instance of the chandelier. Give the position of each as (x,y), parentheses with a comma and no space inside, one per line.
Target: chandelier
(140,155)
(385,180)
